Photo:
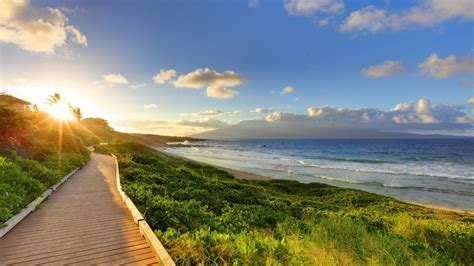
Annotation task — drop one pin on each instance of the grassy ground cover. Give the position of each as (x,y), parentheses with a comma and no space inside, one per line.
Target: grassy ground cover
(202,215)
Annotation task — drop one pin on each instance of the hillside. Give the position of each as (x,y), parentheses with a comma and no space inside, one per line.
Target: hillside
(204,216)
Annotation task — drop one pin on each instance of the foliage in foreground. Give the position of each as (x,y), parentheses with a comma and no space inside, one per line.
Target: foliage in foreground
(23,180)
(32,158)
(202,215)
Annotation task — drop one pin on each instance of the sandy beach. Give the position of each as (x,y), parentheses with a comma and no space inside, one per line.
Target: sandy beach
(249,176)
(236,173)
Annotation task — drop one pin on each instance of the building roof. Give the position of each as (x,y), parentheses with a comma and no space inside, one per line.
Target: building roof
(10,99)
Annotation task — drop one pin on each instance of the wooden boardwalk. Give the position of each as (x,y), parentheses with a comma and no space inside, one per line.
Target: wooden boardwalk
(83,222)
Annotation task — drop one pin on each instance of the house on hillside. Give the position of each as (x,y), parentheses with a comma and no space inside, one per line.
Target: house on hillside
(14,103)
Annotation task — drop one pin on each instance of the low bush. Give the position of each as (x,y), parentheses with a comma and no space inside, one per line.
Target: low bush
(23,180)
(202,215)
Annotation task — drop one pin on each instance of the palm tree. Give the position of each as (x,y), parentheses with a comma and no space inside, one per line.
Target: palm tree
(76,112)
(54,98)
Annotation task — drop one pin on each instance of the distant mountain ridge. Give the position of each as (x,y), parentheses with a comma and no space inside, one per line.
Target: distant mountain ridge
(249,130)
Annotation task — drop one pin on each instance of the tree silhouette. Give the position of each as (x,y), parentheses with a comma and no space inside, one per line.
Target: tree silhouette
(54,98)
(76,112)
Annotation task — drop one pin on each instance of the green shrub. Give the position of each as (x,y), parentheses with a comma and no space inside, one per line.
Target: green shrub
(203,216)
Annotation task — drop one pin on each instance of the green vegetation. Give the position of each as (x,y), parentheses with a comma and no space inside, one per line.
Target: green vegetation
(202,215)
(32,158)
(37,149)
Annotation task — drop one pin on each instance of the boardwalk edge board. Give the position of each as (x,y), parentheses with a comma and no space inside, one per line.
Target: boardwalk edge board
(145,229)
(8,225)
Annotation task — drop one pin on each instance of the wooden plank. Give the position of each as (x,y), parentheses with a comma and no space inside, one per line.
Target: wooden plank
(66,246)
(84,219)
(114,259)
(155,244)
(67,234)
(56,255)
(23,250)
(13,221)
(92,254)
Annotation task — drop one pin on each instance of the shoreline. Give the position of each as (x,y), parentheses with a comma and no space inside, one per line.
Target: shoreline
(250,176)
(236,173)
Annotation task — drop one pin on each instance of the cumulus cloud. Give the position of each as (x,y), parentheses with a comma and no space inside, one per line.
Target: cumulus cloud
(409,115)
(287,90)
(263,110)
(164,76)
(419,115)
(212,113)
(217,83)
(208,77)
(115,78)
(388,68)
(219,92)
(311,7)
(441,68)
(428,13)
(368,18)
(34,29)
(150,106)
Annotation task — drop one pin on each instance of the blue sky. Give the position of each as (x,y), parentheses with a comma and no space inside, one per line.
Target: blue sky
(270,45)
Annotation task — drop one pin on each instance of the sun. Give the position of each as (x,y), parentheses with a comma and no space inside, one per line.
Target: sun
(60,111)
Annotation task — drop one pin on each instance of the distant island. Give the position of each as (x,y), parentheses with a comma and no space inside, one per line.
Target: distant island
(262,129)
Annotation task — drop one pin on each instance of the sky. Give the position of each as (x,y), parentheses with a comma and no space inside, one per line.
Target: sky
(185,67)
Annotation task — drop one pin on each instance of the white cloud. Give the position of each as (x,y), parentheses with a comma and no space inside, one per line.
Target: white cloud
(164,76)
(311,7)
(368,18)
(428,13)
(263,110)
(212,113)
(208,77)
(115,78)
(138,86)
(470,102)
(420,116)
(409,115)
(274,116)
(441,68)
(287,90)
(413,115)
(220,92)
(217,83)
(150,106)
(254,3)
(77,35)
(34,29)
(388,68)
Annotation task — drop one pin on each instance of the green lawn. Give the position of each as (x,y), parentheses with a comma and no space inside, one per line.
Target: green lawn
(202,215)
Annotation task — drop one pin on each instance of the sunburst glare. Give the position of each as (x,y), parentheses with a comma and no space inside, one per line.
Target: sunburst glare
(60,111)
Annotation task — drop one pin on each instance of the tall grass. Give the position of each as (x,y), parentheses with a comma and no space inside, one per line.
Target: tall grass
(204,216)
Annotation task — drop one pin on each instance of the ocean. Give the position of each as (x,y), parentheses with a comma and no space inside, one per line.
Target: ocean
(437,172)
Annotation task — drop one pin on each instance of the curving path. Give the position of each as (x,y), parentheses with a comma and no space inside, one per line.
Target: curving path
(83,222)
